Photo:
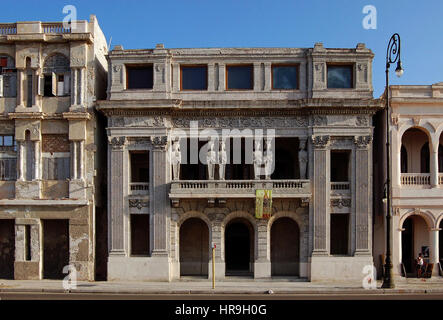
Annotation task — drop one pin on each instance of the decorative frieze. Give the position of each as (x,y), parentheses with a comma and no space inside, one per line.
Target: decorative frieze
(138,203)
(340,203)
(241,122)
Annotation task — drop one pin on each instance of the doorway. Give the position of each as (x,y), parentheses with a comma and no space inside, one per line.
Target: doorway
(239,247)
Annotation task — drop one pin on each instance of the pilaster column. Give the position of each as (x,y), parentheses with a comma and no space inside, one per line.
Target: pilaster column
(81,152)
(321,194)
(362,194)
(21,160)
(257,77)
(116,198)
(268,76)
(20,86)
(36,160)
(434,167)
(81,85)
(434,258)
(74,160)
(74,87)
(159,194)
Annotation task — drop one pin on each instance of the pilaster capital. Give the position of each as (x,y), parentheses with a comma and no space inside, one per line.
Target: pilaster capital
(320,142)
(362,141)
(159,142)
(117,143)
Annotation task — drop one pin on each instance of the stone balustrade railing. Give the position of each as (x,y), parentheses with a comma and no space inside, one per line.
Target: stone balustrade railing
(54,27)
(416,179)
(238,188)
(139,188)
(340,186)
(8,28)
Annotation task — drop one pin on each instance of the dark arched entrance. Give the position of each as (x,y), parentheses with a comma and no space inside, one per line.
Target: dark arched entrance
(414,237)
(285,248)
(194,248)
(239,247)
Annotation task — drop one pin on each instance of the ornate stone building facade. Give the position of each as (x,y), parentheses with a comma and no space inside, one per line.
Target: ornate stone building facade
(314,107)
(417,178)
(50,77)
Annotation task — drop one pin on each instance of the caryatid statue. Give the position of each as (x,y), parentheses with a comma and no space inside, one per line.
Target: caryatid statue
(258,159)
(269,159)
(223,159)
(302,158)
(176,159)
(211,160)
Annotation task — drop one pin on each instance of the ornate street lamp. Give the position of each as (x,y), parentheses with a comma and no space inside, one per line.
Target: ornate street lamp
(392,56)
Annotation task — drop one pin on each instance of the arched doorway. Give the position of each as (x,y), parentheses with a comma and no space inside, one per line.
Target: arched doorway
(239,247)
(194,248)
(414,239)
(285,248)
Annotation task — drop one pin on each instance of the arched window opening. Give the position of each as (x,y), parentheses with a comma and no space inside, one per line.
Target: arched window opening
(404,159)
(57,76)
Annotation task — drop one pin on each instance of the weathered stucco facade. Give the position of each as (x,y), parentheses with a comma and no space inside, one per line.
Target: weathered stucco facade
(51,77)
(162,225)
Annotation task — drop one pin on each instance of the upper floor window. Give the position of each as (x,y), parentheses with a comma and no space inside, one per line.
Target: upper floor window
(194,77)
(8,77)
(55,156)
(240,77)
(8,158)
(56,76)
(340,165)
(139,76)
(285,77)
(340,76)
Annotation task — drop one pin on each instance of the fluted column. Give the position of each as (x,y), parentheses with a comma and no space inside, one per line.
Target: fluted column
(321,194)
(159,194)
(363,192)
(74,160)
(115,202)
(81,152)
(20,86)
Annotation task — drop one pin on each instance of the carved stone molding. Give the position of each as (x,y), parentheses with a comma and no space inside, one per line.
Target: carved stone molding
(340,203)
(362,141)
(159,142)
(320,142)
(138,203)
(117,142)
(318,120)
(305,202)
(241,122)
(362,121)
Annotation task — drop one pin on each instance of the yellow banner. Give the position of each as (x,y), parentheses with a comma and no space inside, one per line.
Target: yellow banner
(263,204)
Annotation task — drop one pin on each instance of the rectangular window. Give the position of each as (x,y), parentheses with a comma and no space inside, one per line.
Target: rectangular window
(139,166)
(27,242)
(139,234)
(56,156)
(340,165)
(339,233)
(56,84)
(340,76)
(240,77)
(194,77)
(139,77)
(285,77)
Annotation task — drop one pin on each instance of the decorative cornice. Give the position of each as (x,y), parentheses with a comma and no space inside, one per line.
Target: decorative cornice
(26,115)
(76,115)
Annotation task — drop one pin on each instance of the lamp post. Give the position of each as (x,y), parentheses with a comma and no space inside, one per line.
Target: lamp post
(392,56)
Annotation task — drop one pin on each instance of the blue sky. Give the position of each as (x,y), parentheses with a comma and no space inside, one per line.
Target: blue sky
(265,23)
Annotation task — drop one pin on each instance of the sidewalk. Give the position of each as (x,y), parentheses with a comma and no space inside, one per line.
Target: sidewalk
(230,286)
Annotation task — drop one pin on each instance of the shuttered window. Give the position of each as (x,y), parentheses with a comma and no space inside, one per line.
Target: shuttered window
(56,168)
(8,169)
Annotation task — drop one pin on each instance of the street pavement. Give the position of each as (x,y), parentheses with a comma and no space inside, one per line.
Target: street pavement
(242,288)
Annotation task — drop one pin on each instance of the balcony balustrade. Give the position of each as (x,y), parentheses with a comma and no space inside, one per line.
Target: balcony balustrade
(8,28)
(416,179)
(238,188)
(139,188)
